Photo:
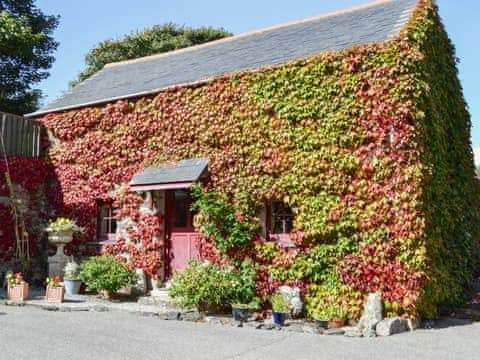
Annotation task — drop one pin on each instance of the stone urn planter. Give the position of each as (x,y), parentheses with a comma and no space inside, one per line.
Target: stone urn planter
(55,294)
(60,239)
(18,292)
(60,233)
(57,262)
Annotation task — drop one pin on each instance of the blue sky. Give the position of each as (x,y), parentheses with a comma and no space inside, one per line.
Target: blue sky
(85,23)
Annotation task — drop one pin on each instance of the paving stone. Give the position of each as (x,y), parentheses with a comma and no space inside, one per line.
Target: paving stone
(332,331)
(309,329)
(294,328)
(191,316)
(253,324)
(268,326)
(353,332)
(170,315)
(100,308)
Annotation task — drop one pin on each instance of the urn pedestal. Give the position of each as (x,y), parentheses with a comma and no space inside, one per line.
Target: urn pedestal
(57,262)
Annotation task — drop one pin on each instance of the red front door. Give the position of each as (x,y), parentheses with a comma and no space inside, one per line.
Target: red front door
(181,234)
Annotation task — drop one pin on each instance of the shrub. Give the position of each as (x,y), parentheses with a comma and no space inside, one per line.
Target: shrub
(245,286)
(203,285)
(208,286)
(106,273)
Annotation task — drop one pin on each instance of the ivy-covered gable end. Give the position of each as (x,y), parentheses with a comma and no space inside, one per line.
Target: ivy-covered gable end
(369,147)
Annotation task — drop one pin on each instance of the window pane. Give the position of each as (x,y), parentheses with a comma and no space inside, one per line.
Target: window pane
(181,208)
(104,227)
(113,226)
(281,219)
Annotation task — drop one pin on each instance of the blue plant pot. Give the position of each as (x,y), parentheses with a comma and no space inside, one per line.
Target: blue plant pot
(240,314)
(278,318)
(322,324)
(72,287)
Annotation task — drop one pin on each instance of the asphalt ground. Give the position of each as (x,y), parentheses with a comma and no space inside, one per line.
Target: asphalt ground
(35,334)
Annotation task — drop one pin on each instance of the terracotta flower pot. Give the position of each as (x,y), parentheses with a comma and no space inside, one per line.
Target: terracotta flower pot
(55,294)
(18,292)
(336,323)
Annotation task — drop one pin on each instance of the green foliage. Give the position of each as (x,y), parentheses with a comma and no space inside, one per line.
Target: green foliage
(279,303)
(208,286)
(315,265)
(106,273)
(449,197)
(25,53)
(245,287)
(229,226)
(156,40)
(335,312)
(322,301)
(71,271)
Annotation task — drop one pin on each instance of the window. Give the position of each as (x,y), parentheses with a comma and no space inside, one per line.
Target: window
(107,223)
(279,222)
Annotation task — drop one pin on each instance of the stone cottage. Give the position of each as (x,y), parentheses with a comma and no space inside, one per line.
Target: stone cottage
(348,132)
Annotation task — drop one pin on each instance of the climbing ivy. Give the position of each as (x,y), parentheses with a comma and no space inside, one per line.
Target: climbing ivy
(368,146)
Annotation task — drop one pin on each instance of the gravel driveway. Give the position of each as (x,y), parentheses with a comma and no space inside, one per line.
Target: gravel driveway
(34,334)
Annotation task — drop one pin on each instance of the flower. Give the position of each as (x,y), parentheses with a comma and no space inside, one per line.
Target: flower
(15,279)
(239,216)
(62,224)
(55,282)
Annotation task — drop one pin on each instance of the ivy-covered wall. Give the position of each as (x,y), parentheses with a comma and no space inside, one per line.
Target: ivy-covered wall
(29,178)
(369,146)
(449,195)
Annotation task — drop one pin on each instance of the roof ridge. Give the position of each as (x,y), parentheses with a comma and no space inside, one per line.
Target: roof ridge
(253,32)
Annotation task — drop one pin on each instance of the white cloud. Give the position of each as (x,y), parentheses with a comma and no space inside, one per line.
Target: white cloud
(476,152)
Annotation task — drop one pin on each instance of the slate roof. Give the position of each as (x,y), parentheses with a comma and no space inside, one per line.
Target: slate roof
(369,23)
(187,170)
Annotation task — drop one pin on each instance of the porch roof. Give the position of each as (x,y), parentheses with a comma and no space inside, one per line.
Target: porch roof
(170,176)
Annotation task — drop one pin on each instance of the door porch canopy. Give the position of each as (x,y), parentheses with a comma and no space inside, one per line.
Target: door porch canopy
(177,175)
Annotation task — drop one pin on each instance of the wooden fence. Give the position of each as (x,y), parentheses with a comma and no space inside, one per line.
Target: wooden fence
(21,137)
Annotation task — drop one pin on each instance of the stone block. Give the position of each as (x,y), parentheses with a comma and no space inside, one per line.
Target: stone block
(391,326)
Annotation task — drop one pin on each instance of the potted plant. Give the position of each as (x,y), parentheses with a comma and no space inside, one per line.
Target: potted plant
(106,274)
(55,291)
(71,278)
(60,233)
(17,287)
(336,316)
(280,307)
(321,318)
(245,297)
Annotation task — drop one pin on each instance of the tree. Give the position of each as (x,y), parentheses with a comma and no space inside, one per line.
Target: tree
(478,171)
(158,39)
(26,47)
